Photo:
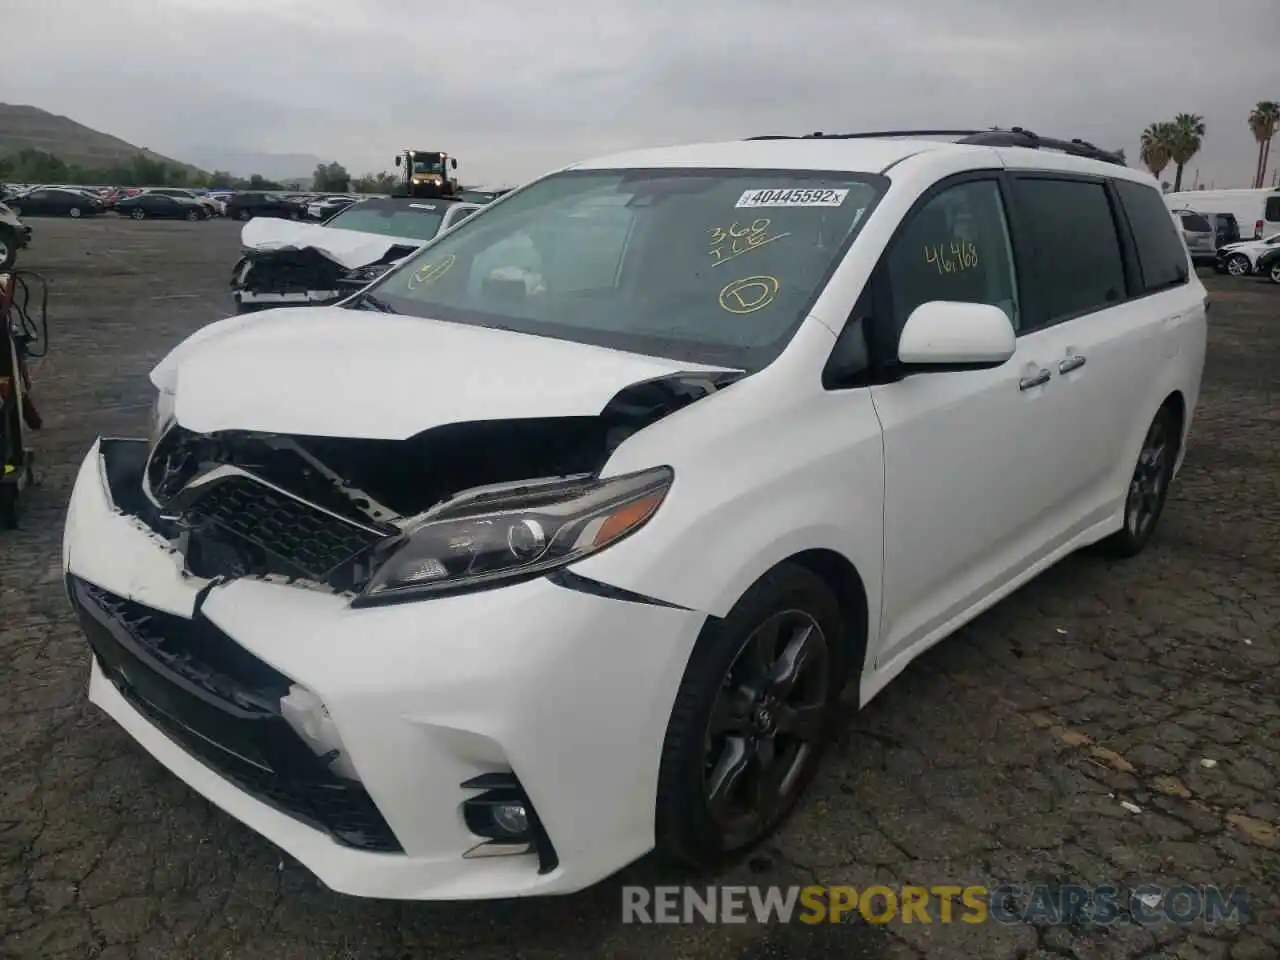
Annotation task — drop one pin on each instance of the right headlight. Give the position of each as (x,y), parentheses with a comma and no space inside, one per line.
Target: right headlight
(512,533)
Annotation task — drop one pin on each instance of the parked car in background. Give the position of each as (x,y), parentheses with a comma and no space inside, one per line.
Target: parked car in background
(14,235)
(161,206)
(56,202)
(1269,265)
(1242,258)
(251,203)
(211,207)
(1199,235)
(1257,210)
(325,207)
(296,264)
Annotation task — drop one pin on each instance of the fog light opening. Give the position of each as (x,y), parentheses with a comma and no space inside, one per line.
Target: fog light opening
(503,815)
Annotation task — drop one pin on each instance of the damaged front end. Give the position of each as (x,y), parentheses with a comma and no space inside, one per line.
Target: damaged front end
(455,508)
(303,277)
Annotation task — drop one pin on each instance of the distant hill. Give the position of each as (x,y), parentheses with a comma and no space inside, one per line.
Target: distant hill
(245,163)
(23,126)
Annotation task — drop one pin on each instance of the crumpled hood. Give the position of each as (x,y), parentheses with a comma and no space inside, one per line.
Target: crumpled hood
(335,372)
(348,248)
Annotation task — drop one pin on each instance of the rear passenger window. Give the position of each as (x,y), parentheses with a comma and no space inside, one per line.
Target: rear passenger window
(1162,256)
(1272,211)
(1073,236)
(955,247)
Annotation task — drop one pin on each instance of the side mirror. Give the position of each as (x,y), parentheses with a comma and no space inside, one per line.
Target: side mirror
(454,162)
(954,335)
(398,159)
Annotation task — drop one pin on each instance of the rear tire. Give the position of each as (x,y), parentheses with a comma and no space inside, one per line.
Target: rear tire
(742,744)
(74,213)
(1148,487)
(137,213)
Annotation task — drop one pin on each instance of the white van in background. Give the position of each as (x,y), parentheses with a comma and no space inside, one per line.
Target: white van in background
(1256,209)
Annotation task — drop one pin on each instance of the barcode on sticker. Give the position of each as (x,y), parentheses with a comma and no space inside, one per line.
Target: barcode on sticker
(791,198)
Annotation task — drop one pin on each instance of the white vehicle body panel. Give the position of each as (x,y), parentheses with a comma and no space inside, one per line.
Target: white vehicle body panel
(439,373)
(349,248)
(942,492)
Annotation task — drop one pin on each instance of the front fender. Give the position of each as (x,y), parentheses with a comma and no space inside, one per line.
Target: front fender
(756,482)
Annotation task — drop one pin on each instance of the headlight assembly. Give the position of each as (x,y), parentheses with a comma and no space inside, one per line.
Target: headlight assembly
(512,533)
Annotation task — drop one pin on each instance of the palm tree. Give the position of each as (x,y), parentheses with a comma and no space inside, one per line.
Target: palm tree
(1264,121)
(1188,137)
(1157,146)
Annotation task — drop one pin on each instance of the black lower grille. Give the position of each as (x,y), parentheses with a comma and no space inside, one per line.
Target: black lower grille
(283,534)
(221,705)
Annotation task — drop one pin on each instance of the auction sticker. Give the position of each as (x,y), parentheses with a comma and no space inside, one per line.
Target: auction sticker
(789,197)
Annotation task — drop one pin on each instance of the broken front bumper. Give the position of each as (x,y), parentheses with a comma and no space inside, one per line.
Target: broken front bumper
(560,695)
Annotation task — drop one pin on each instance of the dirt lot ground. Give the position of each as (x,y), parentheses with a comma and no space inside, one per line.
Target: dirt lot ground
(1003,756)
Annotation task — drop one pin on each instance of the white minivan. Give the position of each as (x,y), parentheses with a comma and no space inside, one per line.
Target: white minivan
(1256,210)
(561,541)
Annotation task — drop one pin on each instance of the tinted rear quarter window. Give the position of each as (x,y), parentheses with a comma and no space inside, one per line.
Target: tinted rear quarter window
(1162,257)
(1195,223)
(1072,234)
(1272,211)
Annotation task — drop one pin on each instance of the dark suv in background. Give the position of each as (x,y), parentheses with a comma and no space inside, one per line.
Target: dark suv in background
(246,206)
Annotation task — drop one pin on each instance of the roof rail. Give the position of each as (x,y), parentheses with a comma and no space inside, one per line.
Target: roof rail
(870,135)
(995,137)
(1018,137)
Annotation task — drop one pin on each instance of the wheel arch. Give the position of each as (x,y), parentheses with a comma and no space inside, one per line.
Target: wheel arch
(842,577)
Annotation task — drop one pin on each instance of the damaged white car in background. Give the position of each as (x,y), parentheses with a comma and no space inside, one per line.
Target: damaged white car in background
(290,263)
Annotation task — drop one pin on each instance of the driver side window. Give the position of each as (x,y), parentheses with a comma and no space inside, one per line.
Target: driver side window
(955,247)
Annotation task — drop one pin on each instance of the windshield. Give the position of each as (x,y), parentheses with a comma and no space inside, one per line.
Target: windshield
(417,221)
(707,266)
(428,166)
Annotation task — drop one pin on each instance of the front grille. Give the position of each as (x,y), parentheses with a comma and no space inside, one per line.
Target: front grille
(289,533)
(220,704)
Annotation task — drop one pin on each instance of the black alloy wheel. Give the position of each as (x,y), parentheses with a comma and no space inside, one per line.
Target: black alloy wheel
(1149,486)
(751,718)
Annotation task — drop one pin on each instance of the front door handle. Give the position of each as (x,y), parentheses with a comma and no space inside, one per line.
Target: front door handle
(1035,380)
(1074,362)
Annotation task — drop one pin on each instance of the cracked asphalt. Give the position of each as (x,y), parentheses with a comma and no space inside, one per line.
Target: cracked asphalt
(1109,724)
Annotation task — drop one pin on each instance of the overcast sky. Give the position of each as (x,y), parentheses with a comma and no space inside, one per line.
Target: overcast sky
(516,88)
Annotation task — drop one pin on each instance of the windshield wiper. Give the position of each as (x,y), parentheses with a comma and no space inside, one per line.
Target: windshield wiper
(368,301)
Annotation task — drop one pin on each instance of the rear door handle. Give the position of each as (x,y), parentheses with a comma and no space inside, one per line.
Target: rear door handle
(1035,380)
(1074,362)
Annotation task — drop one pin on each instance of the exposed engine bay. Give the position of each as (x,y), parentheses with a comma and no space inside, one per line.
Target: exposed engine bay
(279,277)
(324,511)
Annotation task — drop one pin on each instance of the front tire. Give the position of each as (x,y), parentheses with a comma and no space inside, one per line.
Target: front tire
(1274,273)
(194,215)
(74,213)
(138,213)
(1238,265)
(8,248)
(750,718)
(1149,486)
